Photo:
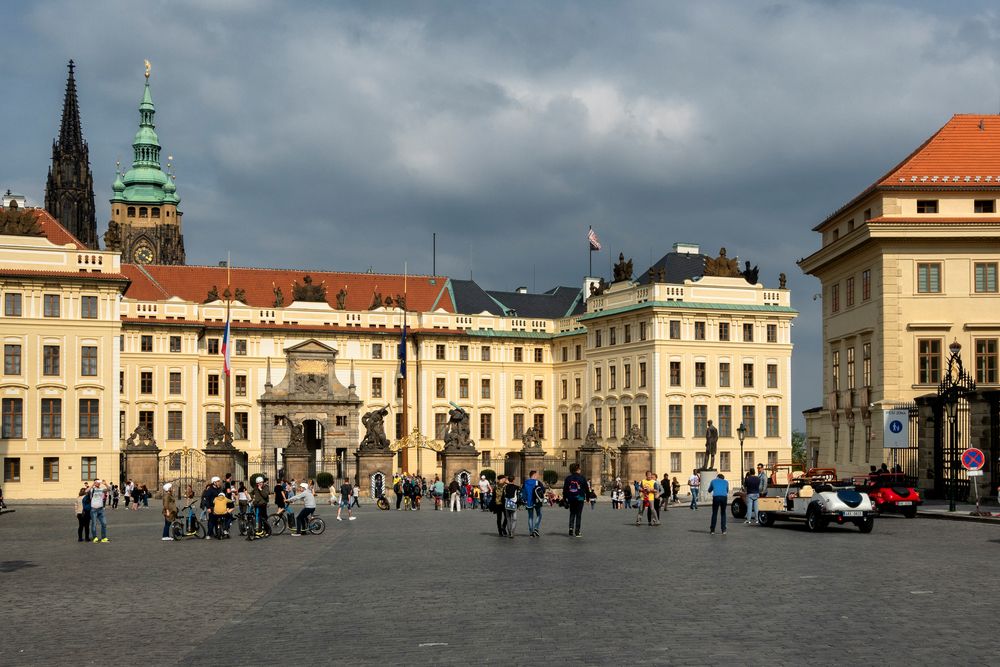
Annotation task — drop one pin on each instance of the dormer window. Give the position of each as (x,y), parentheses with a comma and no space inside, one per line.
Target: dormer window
(985,206)
(131,211)
(156,211)
(927,206)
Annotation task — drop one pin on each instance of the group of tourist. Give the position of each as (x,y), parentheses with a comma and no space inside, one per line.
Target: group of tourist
(629,496)
(96,497)
(410,490)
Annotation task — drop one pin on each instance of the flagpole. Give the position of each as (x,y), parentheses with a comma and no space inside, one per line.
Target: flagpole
(226,371)
(590,253)
(404,459)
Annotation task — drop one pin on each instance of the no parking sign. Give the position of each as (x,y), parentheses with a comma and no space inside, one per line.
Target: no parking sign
(896,429)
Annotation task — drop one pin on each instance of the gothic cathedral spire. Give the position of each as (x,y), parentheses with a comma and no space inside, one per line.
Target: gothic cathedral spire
(69,190)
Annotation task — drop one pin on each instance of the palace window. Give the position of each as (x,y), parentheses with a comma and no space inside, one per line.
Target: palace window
(675,373)
(750,420)
(564,426)
(866,284)
(12,418)
(484,353)
(835,298)
(643,422)
(699,375)
(518,424)
(485,426)
(612,336)
(850,367)
(927,206)
(929,360)
(175,382)
(866,364)
(12,469)
(156,211)
(725,424)
(564,384)
(597,338)
(675,329)
(463,352)
(50,469)
(175,343)
(576,425)
(130,211)
(518,389)
(51,418)
(598,421)
(748,375)
(376,350)
(143,212)
(213,384)
(579,352)
(538,355)
(675,461)
(724,374)
(772,333)
(699,331)
(675,421)
(627,418)
(723,331)
(539,424)
(90,418)
(700,419)
(612,422)
(439,352)
(539,390)
(376,387)
(984,206)
(88,307)
(211,419)
(725,462)
(400,385)
(772,376)
(597,378)
(241,425)
(642,331)
(241,347)
(627,376)
(440,388)
(11,359)
(51,305)
(175,425)
(929,278)
(518,354)
(241,385)
(612,377)
(748,332)
(146,344)
(986,277)
(463,387)
(88,360)
(485,390)
(771,421)
(835,369)
(986,360)
(565,353)
(642,373)
(50,360)
(12,304)
(627,331)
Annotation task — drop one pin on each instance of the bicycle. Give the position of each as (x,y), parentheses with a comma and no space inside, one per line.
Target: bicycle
(190,527)
(382,503)
(316,524)
(253,533)
(281,520)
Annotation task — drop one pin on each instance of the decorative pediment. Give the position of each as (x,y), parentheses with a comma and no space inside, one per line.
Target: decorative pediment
(311,345)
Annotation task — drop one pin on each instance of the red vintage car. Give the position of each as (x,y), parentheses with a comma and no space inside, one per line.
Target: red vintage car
(891,493)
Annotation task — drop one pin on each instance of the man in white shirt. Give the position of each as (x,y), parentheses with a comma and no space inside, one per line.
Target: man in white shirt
(485,493)
(694,481)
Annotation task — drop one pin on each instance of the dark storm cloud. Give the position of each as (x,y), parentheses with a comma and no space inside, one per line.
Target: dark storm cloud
(343,135)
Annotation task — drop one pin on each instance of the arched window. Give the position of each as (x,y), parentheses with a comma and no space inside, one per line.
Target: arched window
(156,211)
(143,212)
(131,211)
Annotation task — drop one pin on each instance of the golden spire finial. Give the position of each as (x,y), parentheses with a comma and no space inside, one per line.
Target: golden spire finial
(148,66)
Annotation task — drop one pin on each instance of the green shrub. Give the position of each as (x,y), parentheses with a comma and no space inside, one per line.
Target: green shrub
(490,475)
(550,477)
(324,480)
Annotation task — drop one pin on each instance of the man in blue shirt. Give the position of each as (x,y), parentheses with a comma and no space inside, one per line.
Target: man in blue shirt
(533,493)
(719,490)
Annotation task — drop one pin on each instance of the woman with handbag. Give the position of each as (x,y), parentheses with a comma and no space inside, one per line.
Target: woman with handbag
(511,496)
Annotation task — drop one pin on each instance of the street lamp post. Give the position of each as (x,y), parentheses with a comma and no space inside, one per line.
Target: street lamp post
(956,385)
(951,406)
(741,433)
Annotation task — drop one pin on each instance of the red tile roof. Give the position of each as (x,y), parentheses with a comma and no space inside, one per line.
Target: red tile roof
(963,153)
(192,283)
(246,326)
(53,231)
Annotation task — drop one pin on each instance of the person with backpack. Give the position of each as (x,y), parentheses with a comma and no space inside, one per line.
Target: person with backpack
(455,496)
(498,505)
(575,494)
(511,499)
(82,509)
(534,498)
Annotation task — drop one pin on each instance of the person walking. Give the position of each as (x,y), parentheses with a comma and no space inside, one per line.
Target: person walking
(664,492)
(437,493)
(169,511)
(82,509)
(455,496)
(534,498)
(485,491)
(751,486)
(694,481)
(397,490)
(719,490)
(127,492)
(115,494)
(98,498)
(511,499)
(355,494)
(575,493)
(346,489)
(675,486)
(647,489)
(498,505)
(627,495)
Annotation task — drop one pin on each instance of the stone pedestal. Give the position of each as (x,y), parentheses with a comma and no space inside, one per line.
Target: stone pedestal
(635,461)
(531,460)
(370,463)
(707,475)
(142,466)
(297,464)
(452,463)
(220,460)
(591,461)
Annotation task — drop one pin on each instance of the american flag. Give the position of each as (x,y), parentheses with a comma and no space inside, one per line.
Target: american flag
(595,243)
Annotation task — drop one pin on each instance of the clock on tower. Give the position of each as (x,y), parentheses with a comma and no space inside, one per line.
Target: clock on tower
(143,254)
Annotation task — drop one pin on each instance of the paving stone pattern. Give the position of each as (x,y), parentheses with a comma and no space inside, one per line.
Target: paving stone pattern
(439,587)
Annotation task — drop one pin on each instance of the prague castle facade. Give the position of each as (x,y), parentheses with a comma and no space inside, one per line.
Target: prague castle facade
(100,342)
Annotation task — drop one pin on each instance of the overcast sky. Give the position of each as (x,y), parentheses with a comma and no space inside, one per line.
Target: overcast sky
(342,135)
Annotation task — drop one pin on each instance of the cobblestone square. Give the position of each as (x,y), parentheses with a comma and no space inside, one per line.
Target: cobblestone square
(438,587)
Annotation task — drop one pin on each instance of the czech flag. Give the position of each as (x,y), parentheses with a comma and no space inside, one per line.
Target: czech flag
(402,351)
(225,347)
(595,243)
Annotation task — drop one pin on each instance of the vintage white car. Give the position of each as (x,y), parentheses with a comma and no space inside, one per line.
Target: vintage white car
(820,503)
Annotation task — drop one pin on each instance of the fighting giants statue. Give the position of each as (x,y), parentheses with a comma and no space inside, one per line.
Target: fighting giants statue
(531,439)
(374,423)
(456,436)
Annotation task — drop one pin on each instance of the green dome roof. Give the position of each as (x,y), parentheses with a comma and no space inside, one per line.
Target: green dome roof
(145,182)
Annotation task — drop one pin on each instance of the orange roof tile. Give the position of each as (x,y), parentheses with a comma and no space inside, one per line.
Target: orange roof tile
(53,231)
(192,283)
(963,153)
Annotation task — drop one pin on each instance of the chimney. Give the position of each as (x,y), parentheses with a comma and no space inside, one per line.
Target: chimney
(522,290)
(687,248)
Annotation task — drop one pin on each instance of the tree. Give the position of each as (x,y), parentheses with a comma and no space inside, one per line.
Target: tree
(799,447)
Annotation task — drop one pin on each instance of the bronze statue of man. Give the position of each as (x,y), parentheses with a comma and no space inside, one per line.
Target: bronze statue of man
(711,445)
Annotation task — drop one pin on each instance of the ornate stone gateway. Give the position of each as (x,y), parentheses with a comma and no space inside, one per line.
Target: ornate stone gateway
(309,420)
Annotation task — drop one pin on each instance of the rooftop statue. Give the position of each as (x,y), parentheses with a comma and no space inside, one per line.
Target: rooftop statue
(307,291)
(722,266)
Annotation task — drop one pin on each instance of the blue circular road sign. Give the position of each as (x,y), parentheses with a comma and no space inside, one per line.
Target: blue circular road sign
(896,426)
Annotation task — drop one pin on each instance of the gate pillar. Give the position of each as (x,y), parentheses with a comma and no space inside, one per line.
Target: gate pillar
(142,463)
(369,463)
